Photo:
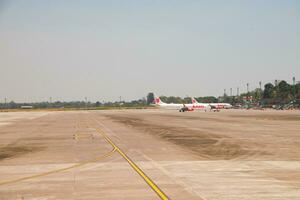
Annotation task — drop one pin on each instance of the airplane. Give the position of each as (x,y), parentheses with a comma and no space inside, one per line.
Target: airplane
(172,106)
(214,105)
(181,107)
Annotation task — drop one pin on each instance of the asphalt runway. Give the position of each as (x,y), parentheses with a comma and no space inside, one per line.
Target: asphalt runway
(150,154)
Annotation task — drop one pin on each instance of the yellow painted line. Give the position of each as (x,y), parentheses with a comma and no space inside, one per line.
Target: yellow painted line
(154,187)
(59,170)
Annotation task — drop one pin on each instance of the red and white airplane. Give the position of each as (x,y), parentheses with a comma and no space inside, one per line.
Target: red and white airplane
(182,107)
(213,105)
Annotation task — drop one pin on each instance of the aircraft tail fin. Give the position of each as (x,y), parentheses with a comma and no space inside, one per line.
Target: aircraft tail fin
(194,101)
(158,101)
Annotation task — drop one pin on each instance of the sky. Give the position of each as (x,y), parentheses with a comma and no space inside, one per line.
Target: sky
(69,50)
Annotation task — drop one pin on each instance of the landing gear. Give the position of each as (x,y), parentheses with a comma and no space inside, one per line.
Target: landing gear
(185,109)
(182,109)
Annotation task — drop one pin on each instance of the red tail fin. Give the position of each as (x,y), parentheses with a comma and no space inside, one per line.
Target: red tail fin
(157,100)
(194,100)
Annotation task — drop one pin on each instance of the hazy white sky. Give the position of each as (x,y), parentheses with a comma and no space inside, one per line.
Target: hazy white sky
(105,49)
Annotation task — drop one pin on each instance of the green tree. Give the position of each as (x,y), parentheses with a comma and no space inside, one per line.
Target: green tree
(297,91)
(207,99)
(187,100)
(284,90)
(164,99)
(97,104)
(173,99)
(268,91)
(256,94)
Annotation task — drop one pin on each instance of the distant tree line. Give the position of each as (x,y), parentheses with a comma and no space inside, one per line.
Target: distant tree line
(75,104)
(56,104)
(280,92)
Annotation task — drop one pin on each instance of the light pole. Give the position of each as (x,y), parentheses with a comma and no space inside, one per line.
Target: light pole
(260,85)
(247,87)
(247,92)
(294,88)
(260,91)
(50,99)
(238,91)
(276,88)
(85,102)
(231,97)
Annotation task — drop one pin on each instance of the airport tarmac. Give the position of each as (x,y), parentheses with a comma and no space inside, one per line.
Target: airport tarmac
(150,154)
